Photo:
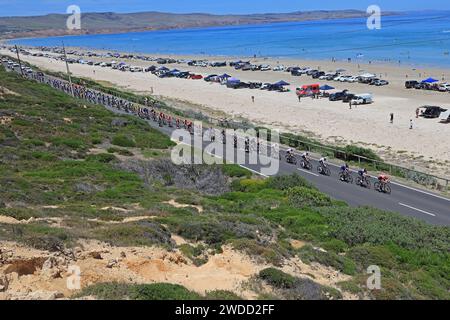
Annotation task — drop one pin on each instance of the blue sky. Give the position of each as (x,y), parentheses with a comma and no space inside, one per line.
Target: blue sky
(38,7)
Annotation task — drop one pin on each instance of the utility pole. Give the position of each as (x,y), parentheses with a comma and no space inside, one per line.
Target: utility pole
(20,63)
(68,71)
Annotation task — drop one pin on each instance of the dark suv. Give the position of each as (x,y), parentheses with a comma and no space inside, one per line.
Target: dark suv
(411,84)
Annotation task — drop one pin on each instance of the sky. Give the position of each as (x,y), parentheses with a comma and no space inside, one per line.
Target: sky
(40,7)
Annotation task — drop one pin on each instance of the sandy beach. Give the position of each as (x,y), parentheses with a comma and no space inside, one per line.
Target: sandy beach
(425,146)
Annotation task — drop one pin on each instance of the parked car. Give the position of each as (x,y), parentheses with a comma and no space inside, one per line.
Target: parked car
(348,97)
(318,74)
(431,112)
(411,84)
(265,67)
(444,87)
(380,83)
(364,98)
(279,68)
(338,95)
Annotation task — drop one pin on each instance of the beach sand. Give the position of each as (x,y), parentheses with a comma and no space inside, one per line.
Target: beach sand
(425,147)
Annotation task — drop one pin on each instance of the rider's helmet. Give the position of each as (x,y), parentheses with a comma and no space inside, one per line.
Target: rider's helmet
(365,170)
(324,158)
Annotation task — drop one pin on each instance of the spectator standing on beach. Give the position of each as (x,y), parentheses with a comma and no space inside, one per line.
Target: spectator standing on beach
(299,98)
(253,99)
(410,124)
(350,104)
(417,113)
(392,118)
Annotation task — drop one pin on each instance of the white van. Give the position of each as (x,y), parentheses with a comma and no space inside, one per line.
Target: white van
(445,116)
(365,98)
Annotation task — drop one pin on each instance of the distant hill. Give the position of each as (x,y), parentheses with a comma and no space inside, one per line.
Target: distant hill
(108,22)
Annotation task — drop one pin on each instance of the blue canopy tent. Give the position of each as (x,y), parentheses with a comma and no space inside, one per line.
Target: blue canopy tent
(326,88)
(225,76)
(281,83)
(429,80)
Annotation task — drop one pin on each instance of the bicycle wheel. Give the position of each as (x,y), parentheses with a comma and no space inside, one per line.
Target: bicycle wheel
(376,185)
(387,189)
(319,169)
(350,179)
(327,171)
(358,181)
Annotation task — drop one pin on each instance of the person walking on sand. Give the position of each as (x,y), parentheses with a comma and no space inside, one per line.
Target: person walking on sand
(299,98)
(253,99)
(410,124)
(392,118)
(417,113)
(350,104)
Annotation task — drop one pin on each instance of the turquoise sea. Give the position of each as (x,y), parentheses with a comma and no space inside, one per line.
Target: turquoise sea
(413,38)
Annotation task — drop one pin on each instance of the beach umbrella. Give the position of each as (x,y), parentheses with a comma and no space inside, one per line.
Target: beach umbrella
(281,83)
(430,80)
(326,88)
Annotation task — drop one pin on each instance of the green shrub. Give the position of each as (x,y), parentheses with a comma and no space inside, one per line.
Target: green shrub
(304,197)
(222,295)
(309,254)
(277,278)
(234,170)
(287,182)
(101,157)
(249,185)
(122,291)
(72,143)
(123,141)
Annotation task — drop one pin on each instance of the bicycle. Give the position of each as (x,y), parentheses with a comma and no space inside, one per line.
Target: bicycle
(363,182)
(321,169)
(305,164)
(291,159)
(383,187)
(346,177)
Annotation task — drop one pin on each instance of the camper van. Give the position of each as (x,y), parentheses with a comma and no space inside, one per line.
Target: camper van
(365,98)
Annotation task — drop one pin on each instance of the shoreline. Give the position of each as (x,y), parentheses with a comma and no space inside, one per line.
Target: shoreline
(330,122)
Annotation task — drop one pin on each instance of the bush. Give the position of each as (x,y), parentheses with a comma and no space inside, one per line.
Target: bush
(364,152)
(277,278)
(122,291)
(162,291)
(249,185)
(101,157)
(308,254)
(235,171)
(123,141)
(301,197)
(221,295)
(287,182)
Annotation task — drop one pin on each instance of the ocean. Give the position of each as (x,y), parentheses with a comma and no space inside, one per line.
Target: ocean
(415,39)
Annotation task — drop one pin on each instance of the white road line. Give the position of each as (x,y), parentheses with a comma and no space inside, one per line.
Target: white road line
(254,171)
(306,171)
(426,212)
(421,191)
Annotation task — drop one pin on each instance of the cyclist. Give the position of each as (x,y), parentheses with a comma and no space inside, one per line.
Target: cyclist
(345,170)
(383,179)
(305,156)
(323,162)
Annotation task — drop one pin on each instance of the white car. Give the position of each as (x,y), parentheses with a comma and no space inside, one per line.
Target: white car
(279,68)
(351,79)
(265,67)
(444,87)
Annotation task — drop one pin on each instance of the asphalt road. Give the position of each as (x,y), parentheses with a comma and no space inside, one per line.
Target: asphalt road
(408,201)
